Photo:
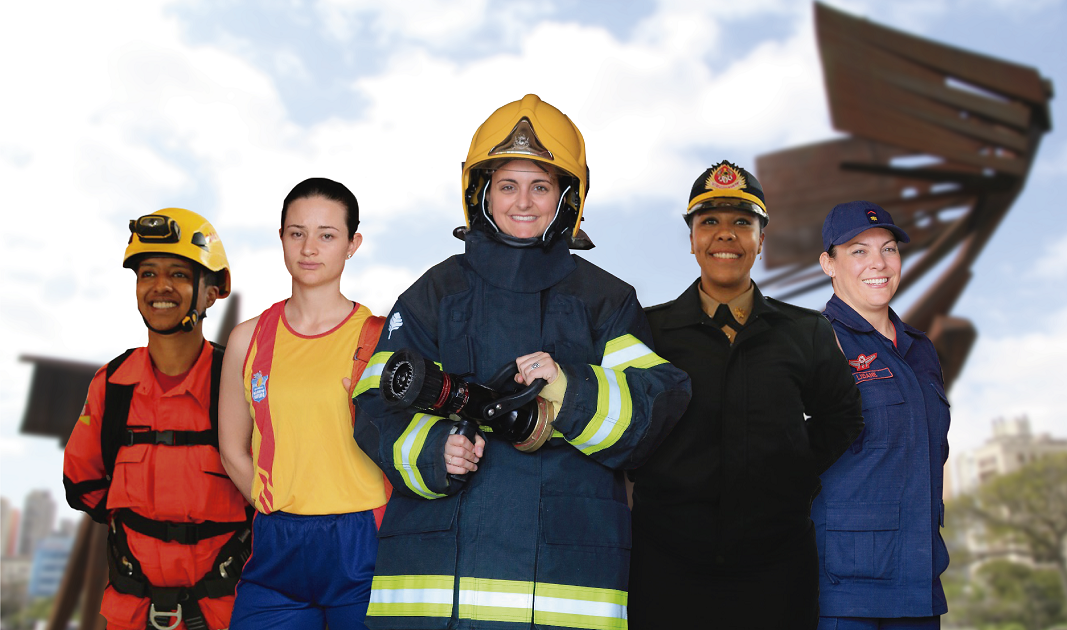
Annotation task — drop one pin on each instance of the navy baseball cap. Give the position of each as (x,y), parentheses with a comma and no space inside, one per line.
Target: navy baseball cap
(847,220)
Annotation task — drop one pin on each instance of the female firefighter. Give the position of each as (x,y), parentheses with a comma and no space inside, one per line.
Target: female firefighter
(285,426)
(877,520)
(537,536)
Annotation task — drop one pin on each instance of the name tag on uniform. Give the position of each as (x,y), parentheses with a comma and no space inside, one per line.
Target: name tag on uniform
(871,375)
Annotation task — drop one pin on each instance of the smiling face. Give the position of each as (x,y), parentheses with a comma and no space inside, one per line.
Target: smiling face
(313,240)
(865,271)
(523,196)
(726,242)
(165,291)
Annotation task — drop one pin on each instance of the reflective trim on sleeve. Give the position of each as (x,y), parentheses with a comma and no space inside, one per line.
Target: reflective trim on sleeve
(411,596)
(626,352)
(372,374)
(613,412)
(579,607)
(406,452)
(495,600)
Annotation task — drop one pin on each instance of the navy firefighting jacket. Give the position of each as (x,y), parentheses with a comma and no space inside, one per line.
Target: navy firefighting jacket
(878,517)
(530,538)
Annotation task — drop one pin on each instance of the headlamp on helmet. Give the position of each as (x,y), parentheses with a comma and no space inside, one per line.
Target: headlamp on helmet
(184,234)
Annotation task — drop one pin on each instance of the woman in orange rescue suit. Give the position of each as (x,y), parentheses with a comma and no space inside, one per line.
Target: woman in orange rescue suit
(143,456)
(532,527)
(285,427)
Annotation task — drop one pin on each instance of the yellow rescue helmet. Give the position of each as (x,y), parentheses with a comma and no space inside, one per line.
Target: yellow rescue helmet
(529,129)
(178,232)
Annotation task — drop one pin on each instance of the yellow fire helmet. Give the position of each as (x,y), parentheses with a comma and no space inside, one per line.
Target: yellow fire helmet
(182,233)
(529,129)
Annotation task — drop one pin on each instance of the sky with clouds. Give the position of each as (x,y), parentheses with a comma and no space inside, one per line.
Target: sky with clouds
(115,109)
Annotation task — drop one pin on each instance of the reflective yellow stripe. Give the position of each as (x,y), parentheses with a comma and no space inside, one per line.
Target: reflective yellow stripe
(495,600)
(614,409)
(406,453)
(626,352)
(580,607)
(411,596)
(372,374)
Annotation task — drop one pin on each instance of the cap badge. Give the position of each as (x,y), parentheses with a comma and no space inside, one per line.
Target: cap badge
(725,177)
(873,216)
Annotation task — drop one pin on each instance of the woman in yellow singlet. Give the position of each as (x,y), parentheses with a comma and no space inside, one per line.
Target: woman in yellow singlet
(285,431)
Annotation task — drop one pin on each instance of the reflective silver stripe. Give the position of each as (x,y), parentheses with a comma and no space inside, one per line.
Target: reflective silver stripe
(411,443)
(623,355)
(606,419)
(493,599)
(411,596)
(579,607)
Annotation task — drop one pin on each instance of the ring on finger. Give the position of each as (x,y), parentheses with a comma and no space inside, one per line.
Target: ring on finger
(535,366)
(449,460)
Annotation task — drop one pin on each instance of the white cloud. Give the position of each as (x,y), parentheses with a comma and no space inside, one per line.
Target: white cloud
(1009,375)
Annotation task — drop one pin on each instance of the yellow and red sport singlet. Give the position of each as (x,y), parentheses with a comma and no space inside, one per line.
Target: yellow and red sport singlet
(306,461)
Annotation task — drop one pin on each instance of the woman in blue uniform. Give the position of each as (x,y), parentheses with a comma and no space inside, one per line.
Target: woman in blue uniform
(878,517)
(540,535)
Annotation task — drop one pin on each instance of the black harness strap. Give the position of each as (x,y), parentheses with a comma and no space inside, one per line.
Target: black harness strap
(184,533)
(170,606)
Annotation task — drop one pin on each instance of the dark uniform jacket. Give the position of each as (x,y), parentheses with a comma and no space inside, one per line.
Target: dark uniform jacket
(537,538)
(733,482)
(877,519)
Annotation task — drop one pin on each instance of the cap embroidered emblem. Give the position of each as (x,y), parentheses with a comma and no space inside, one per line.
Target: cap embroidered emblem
(862,362)
(725,177)
(873,216)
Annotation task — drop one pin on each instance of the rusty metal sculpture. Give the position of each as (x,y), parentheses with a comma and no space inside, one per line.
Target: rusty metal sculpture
(942,138)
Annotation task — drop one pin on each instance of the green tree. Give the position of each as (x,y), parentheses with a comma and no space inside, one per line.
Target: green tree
(1028,506)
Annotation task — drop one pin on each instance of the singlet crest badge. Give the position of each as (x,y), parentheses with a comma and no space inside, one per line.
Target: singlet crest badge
(259,386)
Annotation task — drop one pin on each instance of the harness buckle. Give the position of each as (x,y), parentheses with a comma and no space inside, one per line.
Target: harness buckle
(222,567)
(164,614)
(165,437)
(184,533)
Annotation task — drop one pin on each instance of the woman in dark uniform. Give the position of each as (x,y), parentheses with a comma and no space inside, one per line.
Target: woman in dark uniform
(721,529)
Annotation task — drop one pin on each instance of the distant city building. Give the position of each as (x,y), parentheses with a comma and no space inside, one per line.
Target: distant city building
(14,575)
(49,562)
(67,527)
(38,518)
(1011,447)
(9,522)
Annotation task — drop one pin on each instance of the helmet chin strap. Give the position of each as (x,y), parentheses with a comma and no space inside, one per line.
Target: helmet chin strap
(191,319)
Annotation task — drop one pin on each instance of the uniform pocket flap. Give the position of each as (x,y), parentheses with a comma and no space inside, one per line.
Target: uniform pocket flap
(585,521)
(131,454)
(879,393)
(861,516)
(418,516)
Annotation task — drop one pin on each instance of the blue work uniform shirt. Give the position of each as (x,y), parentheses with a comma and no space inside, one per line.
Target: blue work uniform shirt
(877,519)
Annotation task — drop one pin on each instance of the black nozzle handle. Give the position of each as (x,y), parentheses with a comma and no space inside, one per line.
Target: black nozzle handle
(507,404)
(469,430)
